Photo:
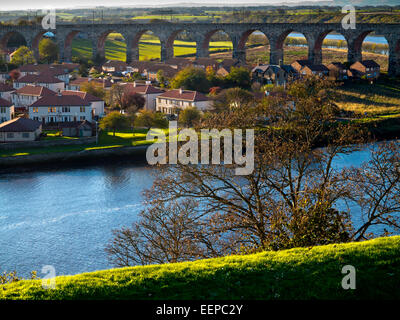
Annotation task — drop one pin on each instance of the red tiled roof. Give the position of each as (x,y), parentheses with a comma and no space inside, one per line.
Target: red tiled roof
(141,89)
(5,103)
(4,87)
(46,77)
(19,125)
(79,81)
(83,95)
(184,95)
(31,90)
(60,100)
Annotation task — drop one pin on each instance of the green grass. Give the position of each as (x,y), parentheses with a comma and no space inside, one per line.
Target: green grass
(301,273)
(106,140)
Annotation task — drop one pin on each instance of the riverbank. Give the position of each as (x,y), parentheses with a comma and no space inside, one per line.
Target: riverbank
(300,273)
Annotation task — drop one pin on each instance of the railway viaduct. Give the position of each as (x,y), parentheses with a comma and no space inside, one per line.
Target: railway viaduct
(276,34)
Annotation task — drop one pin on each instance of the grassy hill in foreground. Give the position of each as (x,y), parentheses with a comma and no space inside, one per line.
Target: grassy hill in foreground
(301,273)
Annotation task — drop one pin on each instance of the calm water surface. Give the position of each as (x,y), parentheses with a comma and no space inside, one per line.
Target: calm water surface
(64,217)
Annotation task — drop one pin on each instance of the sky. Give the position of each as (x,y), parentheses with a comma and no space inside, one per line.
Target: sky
(54,4)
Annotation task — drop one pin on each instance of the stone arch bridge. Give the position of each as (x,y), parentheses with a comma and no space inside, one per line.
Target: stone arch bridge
(276,34)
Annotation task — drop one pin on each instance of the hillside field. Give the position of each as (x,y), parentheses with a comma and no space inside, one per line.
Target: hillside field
(300,274)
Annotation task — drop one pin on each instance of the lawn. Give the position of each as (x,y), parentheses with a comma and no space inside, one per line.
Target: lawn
(298,274)
(106,140)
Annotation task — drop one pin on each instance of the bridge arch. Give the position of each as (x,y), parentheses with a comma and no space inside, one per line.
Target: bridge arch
(134,50)
(277,46)
(205,43)
(35,43)
(359,46)
(316,53)
(243,44)
(101,45)
(173,49)
(9,36)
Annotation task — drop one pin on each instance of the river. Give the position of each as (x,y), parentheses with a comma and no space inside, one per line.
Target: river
(64,216)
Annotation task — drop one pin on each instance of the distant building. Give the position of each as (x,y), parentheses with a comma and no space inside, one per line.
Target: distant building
(298,65)
(79,82)
(6,110)
(203,63)
(112,66)
(319,70)
(174,100)
(19,130)
(338,71)
(179,63)
(273,74)
(368,69)
(150,72)
(60,108)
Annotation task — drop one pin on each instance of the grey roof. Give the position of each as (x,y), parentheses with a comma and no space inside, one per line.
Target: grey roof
(20,125)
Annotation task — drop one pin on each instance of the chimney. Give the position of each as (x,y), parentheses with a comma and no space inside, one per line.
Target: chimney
(180,91)
(134,84)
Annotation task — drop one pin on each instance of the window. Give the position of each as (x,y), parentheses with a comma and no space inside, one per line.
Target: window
(52,110)
(10,135)
(82,118)
(3,109)
(35,109)
(83,109)
(66,109)
(25,135)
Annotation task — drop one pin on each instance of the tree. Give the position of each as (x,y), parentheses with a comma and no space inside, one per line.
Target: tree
(288,199)
(48,50)
(238,77)
(94,89)
(144,119)
(114,121)
(189,116)
(15,74)
(191,79)
(132,101)
(161,78)
(23,55)
(232,98)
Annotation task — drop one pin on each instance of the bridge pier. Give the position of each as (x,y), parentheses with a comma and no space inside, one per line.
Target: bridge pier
(394,57)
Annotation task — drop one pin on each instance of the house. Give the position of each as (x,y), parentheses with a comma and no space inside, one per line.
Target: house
(171,101)
(112,66)
(77,129)
(298,65)
(179,63)
(60,71)
(204,63)
(6,110)
(338,71)
(368,69)
(96,103)
(273,74)
(140,66)
(25,96)
(76,84)
(315,70)
(148,92)
(20,129)
(151,72)
(44,79)
(5,91)
(60,108)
